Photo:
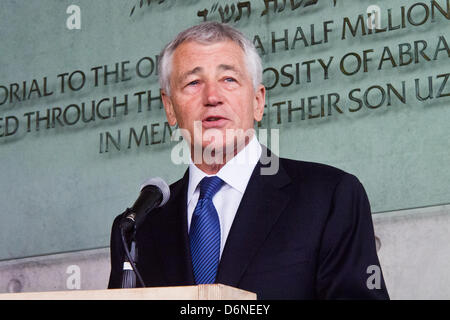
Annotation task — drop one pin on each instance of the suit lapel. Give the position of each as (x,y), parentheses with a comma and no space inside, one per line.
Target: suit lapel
(260,207)
(172,237)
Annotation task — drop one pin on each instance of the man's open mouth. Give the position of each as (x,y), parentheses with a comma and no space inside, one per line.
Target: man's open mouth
(213,118)
(213,121)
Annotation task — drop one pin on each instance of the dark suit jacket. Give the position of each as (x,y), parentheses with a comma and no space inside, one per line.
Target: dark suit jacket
(303,233)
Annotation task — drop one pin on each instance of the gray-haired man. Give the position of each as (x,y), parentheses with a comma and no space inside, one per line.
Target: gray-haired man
(304,232)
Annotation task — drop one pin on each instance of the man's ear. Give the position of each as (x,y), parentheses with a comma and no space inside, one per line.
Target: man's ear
(259,102)
(168,107)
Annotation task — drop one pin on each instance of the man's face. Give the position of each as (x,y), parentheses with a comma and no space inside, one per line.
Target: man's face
(212,88)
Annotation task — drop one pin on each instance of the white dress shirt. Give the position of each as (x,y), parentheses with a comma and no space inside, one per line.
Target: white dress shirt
(236,175)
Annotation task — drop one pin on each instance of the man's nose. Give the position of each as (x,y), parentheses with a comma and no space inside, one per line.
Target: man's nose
(212,95)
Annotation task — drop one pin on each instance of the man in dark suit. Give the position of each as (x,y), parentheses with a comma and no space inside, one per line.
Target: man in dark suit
(301,231)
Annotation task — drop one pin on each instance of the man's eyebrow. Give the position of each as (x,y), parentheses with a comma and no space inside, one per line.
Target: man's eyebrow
(196,70)
(191,72)
(226,67)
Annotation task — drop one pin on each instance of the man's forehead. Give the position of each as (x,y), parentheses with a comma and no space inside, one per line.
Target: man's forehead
(191,57)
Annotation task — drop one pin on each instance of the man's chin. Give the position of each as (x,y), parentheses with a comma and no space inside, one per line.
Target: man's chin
(215,148)
(213,153)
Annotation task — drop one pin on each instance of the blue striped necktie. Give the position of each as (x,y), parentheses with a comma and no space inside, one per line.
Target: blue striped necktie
(204,234)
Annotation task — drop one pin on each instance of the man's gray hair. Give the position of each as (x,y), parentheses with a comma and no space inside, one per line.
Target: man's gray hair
(207,33)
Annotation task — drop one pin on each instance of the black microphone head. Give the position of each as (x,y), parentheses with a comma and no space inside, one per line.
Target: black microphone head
(161,185)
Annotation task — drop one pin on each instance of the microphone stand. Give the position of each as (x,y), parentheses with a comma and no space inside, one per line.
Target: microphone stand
(130,272)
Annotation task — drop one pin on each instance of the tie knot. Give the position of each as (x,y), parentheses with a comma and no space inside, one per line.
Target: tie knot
(209,187)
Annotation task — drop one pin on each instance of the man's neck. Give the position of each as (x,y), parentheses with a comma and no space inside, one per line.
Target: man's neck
(210,169)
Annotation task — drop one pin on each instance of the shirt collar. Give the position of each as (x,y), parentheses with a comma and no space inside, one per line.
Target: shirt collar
(236,172)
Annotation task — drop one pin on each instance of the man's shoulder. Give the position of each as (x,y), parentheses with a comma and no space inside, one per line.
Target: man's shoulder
(318,176)
(175,186)
(312,170)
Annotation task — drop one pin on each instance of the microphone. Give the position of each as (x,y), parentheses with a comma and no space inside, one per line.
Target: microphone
(154,193)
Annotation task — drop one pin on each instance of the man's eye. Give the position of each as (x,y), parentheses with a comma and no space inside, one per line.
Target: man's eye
(230,79)
(193,83)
